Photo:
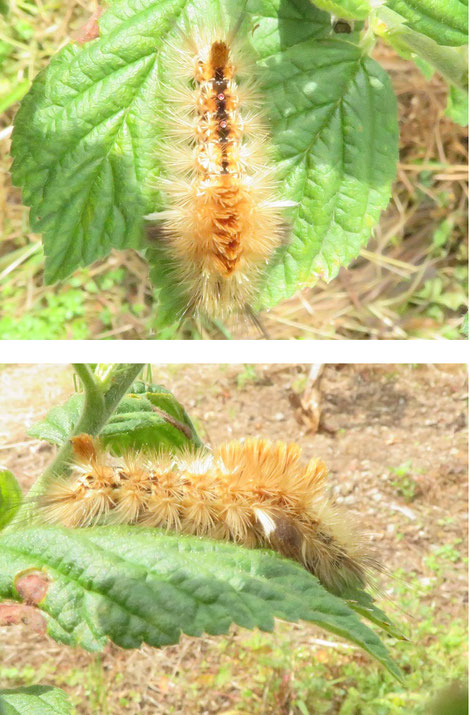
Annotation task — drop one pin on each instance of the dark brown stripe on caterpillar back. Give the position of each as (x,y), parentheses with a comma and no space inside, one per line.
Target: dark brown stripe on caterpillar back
(224,221)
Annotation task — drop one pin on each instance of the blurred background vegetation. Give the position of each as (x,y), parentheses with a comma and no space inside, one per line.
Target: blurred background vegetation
(410,281)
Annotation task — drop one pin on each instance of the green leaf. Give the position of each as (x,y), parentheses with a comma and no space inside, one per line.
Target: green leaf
(457,106)
(452,296)
(4,7)
(133,585)
(10,496)
(34,700)
(451,62)
(350,9)
(162,399)
(445,21)
(335,126)
(83,138)
(424,67)
(59,422)
(147,419)
(363,603)
(140,423)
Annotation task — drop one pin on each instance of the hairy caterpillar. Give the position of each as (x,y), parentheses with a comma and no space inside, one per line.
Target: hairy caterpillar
(256,493)
(224,216)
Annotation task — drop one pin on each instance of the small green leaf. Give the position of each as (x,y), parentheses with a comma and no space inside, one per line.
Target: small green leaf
(457,106)
(445,21)
(363,603)
(4,7)
(444,231)
(163,399)
(139,423)
(5,51)
(149,419)
(350,9)
(34,700)
(10,496)
(59,422)
(134,585)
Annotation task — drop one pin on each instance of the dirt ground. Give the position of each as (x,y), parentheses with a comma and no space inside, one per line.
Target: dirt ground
(394,438)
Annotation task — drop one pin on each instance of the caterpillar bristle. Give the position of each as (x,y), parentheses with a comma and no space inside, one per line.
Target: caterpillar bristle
(254,492)
(223,217)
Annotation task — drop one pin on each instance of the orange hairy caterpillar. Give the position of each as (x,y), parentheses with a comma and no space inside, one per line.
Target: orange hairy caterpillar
(255,493)
(224,217)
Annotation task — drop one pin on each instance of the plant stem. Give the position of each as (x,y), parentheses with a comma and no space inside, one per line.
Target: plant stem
(99,404)
(88,380)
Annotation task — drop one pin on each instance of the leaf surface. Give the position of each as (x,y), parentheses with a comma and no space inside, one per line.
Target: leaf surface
(335,128)
(34,700)
(457,106)
(445,21)
(363,603)
(148,419)
(134,585)
(83,135)
(350,9)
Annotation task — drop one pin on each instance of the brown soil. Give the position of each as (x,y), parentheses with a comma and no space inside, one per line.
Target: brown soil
(373,420)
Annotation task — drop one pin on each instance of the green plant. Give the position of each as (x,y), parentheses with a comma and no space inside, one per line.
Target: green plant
(247,376)
(438,560)
(404,482)
(133,585)
(332,118)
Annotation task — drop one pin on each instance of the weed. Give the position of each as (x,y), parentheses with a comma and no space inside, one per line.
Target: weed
(247,376)
(404,482)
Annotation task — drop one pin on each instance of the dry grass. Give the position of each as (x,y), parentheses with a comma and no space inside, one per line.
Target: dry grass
(409,282)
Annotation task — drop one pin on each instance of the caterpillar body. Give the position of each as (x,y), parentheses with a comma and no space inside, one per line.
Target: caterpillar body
(224,217)
(256,493)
